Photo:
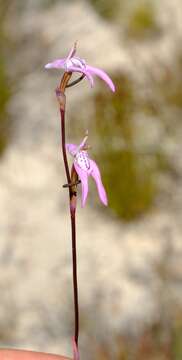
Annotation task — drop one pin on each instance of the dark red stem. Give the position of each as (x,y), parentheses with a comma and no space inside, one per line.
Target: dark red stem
(75,284)
(73,225)
(63,141)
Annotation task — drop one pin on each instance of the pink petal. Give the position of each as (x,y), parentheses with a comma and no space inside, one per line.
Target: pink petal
(76,355)
(83,71)
(56,64)
(72,149)
(83,176)
(95,173)
(102,75)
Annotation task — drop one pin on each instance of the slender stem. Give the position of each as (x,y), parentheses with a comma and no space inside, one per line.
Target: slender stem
(63,140)
(75,283)
(76,81)
(72,195)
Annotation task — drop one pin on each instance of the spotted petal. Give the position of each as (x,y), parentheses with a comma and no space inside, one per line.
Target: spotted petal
(83,176)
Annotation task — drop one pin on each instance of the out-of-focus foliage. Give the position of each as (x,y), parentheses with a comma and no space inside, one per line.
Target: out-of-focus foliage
(130,185)
(130,175)
(5,92)
(49,3)
(4,98)
(107,9)
(177,339)
(155,343)
(130,169)
(142,21)
(169,85)
(137,18)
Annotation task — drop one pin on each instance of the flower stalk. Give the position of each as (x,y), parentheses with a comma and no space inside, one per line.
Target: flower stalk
(72,181)
(83,166)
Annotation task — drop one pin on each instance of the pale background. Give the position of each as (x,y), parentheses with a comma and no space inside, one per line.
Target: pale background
(129,255)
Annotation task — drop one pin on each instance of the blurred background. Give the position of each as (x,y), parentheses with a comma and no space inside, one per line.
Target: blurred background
(129,255)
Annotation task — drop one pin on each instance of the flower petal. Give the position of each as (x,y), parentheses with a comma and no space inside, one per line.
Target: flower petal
(83,176)
(82,71)
(102,75)
(72,149)
(56,64)
(95,173)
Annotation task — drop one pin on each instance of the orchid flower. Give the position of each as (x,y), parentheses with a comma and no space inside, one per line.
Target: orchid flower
(84,167)
(73,63)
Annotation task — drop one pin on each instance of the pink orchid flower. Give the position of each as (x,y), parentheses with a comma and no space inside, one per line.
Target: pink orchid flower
(73,63)
(84,167)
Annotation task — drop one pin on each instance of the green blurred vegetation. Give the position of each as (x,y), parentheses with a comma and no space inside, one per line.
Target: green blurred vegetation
(142,21)
(107,9)
(130,186)
(4,98)
(129,175)
(137,19)
(131,171)
(49,3)
(177,339)
(169,84)
(5,93)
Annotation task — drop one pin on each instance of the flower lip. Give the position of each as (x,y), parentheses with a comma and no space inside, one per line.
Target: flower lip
(73,63)
(82,159)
